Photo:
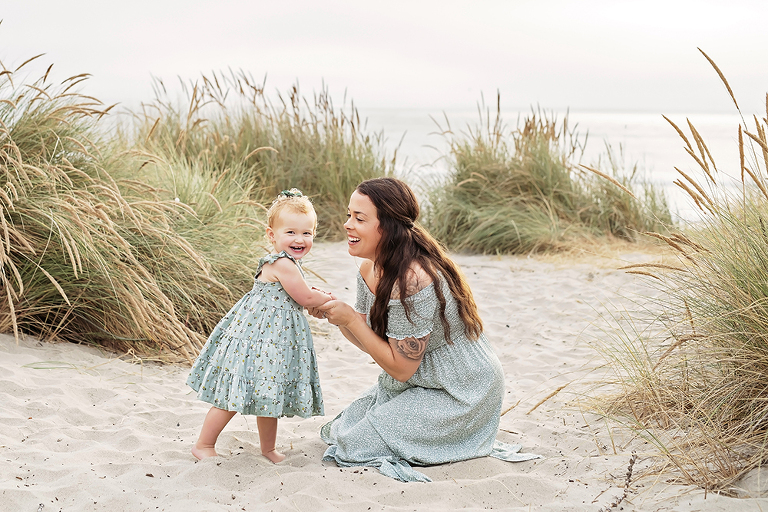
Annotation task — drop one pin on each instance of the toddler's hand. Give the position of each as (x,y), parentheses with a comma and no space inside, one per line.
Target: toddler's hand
(315,312)
(332,296)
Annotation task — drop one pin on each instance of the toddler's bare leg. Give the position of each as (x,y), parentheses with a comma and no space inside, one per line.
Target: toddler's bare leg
(214,423)
(267,437)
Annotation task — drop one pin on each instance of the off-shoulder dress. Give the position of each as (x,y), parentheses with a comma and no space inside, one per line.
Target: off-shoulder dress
(447,411)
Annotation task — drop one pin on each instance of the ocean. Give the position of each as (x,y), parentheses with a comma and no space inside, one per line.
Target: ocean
(641,139)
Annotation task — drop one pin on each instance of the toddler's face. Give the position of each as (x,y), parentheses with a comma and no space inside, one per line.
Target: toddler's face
(293,233)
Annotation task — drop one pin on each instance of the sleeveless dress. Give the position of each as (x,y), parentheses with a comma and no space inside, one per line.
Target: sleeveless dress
(447,411)
(259,359)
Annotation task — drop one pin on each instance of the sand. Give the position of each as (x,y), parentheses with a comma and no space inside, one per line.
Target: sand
(83,429)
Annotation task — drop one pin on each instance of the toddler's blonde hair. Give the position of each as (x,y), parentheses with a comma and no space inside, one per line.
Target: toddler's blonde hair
(295,201)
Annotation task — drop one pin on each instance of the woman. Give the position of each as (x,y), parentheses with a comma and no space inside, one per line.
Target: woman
(439,396)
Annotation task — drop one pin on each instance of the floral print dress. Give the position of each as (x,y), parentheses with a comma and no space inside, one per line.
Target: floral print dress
(259,359)
(447,411)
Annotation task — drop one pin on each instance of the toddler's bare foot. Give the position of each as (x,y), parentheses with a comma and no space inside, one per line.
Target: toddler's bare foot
(201,453)
(274,455)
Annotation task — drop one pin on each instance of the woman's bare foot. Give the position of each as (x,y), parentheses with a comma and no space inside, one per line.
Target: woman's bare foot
(204,452)
(274,455)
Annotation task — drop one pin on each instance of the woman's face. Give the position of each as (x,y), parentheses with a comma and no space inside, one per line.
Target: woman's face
(362,227)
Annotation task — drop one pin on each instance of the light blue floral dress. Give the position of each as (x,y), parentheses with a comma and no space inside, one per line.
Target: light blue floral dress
(447,411)
(259,359)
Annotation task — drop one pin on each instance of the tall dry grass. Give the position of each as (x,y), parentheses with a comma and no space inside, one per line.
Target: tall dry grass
(694,382)
(230,133)
(84,256)
(140,234)
(523,190)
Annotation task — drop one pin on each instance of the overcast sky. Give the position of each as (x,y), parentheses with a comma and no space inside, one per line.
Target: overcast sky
(584,55)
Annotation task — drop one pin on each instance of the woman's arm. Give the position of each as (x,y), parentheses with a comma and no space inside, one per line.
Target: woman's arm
(352,338)
(399,358)
(318,313)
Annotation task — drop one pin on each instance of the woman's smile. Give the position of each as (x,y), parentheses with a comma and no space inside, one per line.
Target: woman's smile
(363,235)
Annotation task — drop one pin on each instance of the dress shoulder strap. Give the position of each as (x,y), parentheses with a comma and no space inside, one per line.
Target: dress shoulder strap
(271,258)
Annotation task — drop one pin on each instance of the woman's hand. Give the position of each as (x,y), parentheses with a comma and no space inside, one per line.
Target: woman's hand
(399,358)
(338,313)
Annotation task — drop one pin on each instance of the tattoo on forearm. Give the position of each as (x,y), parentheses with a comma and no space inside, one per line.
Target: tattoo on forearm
(412,348)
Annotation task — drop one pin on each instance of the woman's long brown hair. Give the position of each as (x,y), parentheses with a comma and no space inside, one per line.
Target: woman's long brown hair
(403,242)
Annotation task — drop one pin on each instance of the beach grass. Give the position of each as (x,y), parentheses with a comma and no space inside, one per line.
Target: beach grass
(693,381)
(523,190)
(228,129)
(139,235)
(89,257)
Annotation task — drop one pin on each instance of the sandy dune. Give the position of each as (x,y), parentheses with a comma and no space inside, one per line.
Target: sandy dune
(81,429)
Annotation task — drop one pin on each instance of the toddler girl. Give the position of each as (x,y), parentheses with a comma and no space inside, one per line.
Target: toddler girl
(259,359)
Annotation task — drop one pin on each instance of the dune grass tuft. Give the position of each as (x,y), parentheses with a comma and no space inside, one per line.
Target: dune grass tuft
(140,235)
(230,130)
(523,191)
(86,256)
(694,383)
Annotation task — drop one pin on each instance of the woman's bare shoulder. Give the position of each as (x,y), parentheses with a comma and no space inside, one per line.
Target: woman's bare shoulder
(416,279)
(366,272)
(366,267)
